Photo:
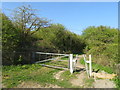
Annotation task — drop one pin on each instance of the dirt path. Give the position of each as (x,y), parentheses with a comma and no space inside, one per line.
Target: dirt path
(35,85)
(79,67)
(57,75)
(80,80)
(104,83)
(78,64)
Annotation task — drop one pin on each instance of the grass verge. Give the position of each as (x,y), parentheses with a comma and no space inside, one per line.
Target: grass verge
(12,76)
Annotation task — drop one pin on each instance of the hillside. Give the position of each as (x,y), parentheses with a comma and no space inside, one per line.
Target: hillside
(27,34)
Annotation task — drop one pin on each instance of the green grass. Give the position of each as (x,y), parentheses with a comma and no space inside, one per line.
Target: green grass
(65,58)
(67,76)
(97,66)
(15,75)
(117,82)
(57,63)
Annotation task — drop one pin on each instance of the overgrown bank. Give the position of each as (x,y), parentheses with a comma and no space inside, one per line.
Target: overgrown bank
(102,43)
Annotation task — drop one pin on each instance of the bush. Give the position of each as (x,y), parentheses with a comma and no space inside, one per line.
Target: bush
(102,43)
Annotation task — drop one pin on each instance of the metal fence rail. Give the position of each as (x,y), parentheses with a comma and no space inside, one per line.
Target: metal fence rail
(52,53)
(70,60)
(54,66)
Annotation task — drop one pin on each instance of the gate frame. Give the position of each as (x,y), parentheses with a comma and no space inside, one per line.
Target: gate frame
(70,61)
(88,65)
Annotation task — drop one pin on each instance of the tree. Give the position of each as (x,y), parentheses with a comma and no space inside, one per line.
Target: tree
(9,34)
(57,39)
(18,33)
(25,18)
(9,40)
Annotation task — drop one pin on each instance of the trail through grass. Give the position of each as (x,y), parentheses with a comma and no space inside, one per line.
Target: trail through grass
(15,75)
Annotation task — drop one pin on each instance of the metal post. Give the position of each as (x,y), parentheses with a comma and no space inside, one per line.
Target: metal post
(90,66)
(86,65)
(76,59)
(71,63)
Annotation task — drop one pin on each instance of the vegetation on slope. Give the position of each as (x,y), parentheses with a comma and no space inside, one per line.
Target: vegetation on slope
(102,43)
(15,75)
(27,33)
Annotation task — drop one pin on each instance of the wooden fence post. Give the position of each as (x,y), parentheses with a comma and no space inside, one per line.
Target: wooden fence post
(71,63)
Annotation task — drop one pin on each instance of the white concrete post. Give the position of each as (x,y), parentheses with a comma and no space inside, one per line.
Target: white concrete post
(71,63)
(90,66)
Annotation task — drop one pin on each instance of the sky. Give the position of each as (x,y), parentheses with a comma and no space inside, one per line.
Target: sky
(75,16)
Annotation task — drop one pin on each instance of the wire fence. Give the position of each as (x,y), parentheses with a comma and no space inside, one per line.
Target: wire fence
(13,58)
(27,57)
